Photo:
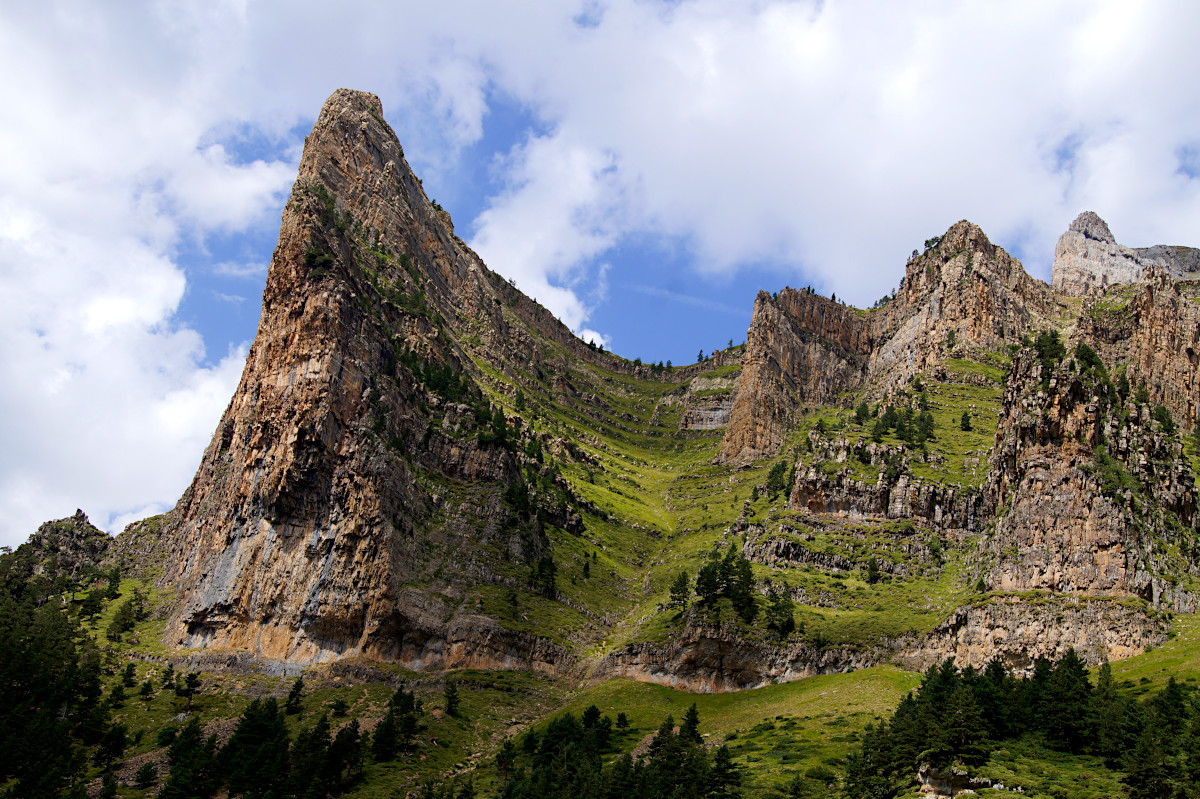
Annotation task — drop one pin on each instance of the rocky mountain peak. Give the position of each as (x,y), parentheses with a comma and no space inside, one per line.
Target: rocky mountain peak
(1093,227)
(1088,259)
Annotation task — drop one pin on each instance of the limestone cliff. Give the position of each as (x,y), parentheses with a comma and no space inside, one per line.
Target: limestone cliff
(1152,329)
(962,294)
(1087,259)
(801,348)
(421,465)
(1092,497)
(306,524)
(1019,630)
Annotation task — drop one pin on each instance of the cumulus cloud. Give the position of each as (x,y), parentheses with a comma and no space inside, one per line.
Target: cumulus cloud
(833,138)
(106,405)
(592,337)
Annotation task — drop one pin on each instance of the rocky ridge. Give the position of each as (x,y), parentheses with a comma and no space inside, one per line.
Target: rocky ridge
(803,349)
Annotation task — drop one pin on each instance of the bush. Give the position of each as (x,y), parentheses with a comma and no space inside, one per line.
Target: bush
(146,776)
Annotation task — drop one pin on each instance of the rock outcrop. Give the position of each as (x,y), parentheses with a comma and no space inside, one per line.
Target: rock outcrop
(1152,328)
(1090,498)
(1020,629)
(1088,259)
(892,495)
(708,658)
(363,496)
(963,294)
(306,519)
(66,547)
(708,403)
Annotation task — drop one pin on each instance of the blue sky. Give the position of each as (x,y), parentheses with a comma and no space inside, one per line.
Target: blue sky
(643,168)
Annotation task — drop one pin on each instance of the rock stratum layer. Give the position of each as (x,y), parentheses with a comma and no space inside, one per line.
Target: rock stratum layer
(963,293)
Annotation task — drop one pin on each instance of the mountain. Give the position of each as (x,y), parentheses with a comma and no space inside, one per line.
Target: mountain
(501,558)
(422,466)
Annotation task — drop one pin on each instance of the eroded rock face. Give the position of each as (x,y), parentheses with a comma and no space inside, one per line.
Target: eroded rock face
(708,402)
(895,495)
(67,546)
(1065,523)
(800,348)
(1153,328)
(1020,630)
(1088,259)
(305,522)
(962,294)
(308,534)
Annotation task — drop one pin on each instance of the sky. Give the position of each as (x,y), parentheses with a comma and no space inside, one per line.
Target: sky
(641,167)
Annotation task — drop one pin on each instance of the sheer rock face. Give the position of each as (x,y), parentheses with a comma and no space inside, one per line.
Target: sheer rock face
(1153,328)
(1088,259)
(307,534)
(1061,528)
(304,521)
(803,349)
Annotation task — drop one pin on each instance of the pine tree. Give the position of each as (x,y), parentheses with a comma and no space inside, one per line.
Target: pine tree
(680,591)
(689,730)
(451,695)
(1148,766)
(873,570)
(708,582)
(862,413)
(725,777)
(505,759)
(1067,703)
(294,702)
(254,761)
(146,776)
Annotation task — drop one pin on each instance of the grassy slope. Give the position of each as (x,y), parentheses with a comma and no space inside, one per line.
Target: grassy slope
(665,506)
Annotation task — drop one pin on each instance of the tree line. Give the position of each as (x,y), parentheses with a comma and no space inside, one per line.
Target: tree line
(566,761)
(958,716)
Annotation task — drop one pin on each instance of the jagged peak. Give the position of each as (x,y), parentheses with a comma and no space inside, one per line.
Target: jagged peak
(966,235)
(1092,226)
(344,102)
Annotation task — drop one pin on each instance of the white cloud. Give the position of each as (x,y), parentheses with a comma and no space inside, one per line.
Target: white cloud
(592,337)
(106,405)
(245,271)
(833,138)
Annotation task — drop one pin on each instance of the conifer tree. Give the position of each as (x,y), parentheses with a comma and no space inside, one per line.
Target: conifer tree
(294,702)
(451,696)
